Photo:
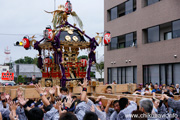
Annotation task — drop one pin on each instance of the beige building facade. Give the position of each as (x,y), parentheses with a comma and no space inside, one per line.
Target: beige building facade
(145,43)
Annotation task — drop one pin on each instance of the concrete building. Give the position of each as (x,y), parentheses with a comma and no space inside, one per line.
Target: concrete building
(27,71)
(3,69)
(145,44)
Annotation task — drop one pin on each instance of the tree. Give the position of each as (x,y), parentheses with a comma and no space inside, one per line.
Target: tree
(35,61)
(100,68)
(19,60)
(27,60)
(20,79)
(92,74)
(25,78)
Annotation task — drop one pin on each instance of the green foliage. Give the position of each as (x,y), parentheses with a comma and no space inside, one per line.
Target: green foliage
(27,60)
(92,74)
(35,61)
(19,60)
(20,79)
(100,68)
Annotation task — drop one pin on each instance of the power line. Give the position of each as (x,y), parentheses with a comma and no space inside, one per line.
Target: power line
(18,34)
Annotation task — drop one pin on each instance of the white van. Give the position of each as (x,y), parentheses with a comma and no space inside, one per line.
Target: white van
(4,82)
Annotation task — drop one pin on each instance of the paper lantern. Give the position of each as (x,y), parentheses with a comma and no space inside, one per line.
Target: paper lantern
(26,43)
(83,62)
(68,7)
(107,38)
(48,34)
(47,61)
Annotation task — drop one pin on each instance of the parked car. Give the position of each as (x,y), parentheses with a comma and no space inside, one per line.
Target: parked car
(7,83)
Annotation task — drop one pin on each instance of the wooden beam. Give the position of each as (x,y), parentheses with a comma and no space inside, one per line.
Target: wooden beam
(78,89)
(102,88)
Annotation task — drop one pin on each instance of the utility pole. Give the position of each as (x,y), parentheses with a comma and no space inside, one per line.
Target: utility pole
(54,4)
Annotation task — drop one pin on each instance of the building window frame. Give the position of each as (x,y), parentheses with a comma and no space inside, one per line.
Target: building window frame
(123,42)
(146,3)
(121,68)
(173,28)
(166,34)
(160,72)
(148,34)
(134,7)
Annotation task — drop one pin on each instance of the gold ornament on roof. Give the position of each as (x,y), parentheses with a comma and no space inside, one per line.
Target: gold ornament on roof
(48,83)
(70,32)
(75,38)
(61,7)
(60,17)
(67,38)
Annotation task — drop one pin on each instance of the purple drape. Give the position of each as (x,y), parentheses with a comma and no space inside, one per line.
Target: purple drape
(36,47)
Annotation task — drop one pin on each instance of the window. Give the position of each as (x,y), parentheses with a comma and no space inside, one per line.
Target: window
(154,74)
(129,40)
(150,2)
(153,34)
(122,75)
(167,35)
(162,74)
(176,69)
(176,29)
(151,74)
(114,74)
(123,41)
(169,74)
(122,9)
(135,75)
(129,7)
(119,76)
(165,31)
(129,75)
(109,76)
(114,43)
(113,13)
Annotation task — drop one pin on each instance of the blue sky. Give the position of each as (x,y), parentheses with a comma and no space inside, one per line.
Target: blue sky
(27,17)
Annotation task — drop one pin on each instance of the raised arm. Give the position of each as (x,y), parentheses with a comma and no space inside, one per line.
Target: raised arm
(107,106)
(84,90)
(58,90)
(23,102)
(13,107)
(43,97)
(0,116)
(52,92)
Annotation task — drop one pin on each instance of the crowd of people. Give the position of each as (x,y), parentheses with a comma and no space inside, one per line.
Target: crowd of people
(160,89)
(65,106)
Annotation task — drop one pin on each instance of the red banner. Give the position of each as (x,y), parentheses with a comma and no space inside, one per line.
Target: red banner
(7,76)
